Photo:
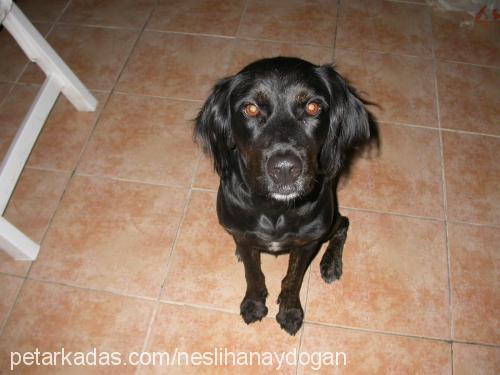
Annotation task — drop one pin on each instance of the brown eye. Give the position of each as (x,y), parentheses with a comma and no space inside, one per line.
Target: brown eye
(312,108)
(251,110)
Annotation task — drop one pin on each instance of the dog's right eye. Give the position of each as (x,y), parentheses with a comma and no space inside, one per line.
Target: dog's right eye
(251,110)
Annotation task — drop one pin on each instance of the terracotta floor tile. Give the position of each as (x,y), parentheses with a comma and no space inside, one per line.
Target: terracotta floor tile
(385,27)
(4,90)
(294,21)
(204,269)
(198,16)
(50,317)
(12,58)
(246,51)
(472,176)
(37,10)
(395,278)
(30,209)
(477,44)
(119,13)
(6,137)
(9,287)
(198,330)
(96,55)
(12,110)
(469,97)
(35,200)
(63,136)
(175,65)
(15,106)
(402,86)
(144,139)
(475,285)
(373,353)
(407,182)
(206,177)
(111,235)
(13,267)
(475,359)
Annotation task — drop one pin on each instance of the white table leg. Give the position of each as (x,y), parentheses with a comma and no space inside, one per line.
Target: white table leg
(16,243)
(39,51)
(20,148)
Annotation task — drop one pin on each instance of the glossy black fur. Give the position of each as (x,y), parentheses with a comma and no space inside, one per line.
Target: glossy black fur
(257,210)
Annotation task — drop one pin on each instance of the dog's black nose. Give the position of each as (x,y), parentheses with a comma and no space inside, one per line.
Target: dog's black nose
(284,168)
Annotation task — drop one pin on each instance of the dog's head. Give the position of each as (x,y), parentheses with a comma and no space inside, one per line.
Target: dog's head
(284,121)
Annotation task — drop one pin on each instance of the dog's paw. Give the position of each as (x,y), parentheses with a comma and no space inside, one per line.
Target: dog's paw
(330,271)
(290,319)
(252,310)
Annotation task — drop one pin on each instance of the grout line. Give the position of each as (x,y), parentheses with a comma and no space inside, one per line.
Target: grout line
(398,334)
(9,91)
(408,2)
(444,193)
(47,169)
(392,213)
(18,292)
(376,331)
(90,289)
(382,52)
(96,26)
(244,11)
(208,190)
(158,96)
(337,22)
(131,180)
(149,334)
(437,128)
(494,67)
(205,307)
(454,341)
(303,328)
(469,133)
(240,37)
(474,224)
(147,339)
(189,33)
(13,305)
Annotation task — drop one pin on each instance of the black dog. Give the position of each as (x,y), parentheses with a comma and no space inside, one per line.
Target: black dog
(280,132)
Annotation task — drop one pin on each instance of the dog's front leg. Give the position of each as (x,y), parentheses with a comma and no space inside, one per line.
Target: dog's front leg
(253,307)
(291,315)
(331,263)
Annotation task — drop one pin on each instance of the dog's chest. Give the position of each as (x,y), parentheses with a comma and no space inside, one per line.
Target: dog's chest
(279,234)
(275,246)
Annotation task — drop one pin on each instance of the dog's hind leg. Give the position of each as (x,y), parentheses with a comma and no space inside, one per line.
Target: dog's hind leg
(253,307)
(331,263)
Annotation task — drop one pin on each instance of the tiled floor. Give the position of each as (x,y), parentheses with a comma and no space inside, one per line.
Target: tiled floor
(123,202)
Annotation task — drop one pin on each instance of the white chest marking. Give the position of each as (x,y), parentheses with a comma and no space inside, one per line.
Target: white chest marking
(275,246)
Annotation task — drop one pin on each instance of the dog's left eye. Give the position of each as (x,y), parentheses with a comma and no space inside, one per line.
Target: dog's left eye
(313,108)
(251,110)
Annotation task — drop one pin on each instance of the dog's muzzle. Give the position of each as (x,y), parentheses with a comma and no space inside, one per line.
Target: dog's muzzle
(284,170)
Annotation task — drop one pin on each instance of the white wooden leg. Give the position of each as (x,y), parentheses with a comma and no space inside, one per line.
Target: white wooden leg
(39,51)
(20,148)
(16,243)
(59,79)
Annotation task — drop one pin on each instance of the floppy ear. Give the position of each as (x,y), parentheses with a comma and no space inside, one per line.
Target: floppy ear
(349,123)
(213,126)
